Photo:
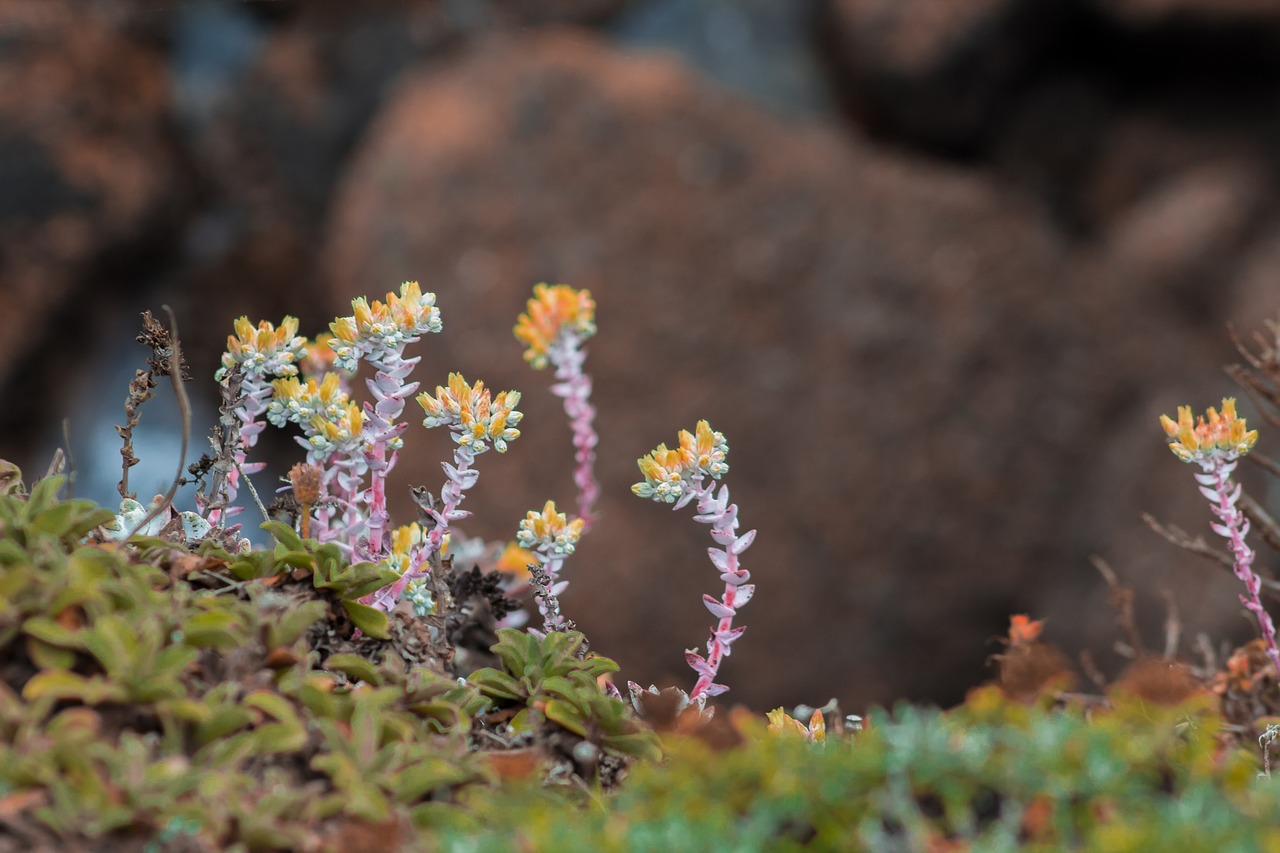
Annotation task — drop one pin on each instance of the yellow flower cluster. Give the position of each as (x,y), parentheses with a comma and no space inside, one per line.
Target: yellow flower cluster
(298,401)
(265,350)
(667,472)
(549,531)
(782,723)
(324,410)
(472,414)
(1209,438)
(404,541)
(380,326)
(552,310)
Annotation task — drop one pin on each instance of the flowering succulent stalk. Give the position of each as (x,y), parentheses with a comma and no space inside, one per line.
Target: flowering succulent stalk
(332,429)
(261,354)
(552,538)
(1216,442)
(558,321)
(476,419)
(378,332)
(680,476)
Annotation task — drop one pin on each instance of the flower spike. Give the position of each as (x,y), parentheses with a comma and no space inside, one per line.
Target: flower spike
(1215,442)
(679,476)
(558,321)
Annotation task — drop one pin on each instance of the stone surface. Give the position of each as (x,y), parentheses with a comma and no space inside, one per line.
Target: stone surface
(89,174)
(934,71)
(918,375)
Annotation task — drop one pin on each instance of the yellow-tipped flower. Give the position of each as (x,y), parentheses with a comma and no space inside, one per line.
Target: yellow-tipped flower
(378,327)
(318,356)
(515,560)
(1210,438)
(298,402)
(405,541)
(667,473)
(707,450)
(782,723)
(549,531)
(553,310)
(327,434)
(663,472)
(472,414)
(265,350)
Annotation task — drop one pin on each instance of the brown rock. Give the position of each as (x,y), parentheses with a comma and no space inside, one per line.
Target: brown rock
(918,389)
(1155,12)
(934,71)
(88,175)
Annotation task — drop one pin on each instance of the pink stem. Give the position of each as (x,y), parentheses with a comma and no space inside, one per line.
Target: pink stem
(723,516)
(574,388)
(1234,527)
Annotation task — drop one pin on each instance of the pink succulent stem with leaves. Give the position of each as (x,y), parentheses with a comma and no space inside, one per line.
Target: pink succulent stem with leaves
(557,321)
(377,333)
(680,476)
(552,537)
(1215,442)
(262,353)
(476,419)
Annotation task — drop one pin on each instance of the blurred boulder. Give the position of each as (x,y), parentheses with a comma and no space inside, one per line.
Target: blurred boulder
(935,72)
(91,180)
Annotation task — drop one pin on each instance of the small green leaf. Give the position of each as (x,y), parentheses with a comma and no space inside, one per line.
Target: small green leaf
(51,632)
(213,629)
(285,535)
(222,721)
(293,623)
(370,620)
(497,685)
(46,656)
(561,712)
(60,684)
(355,668)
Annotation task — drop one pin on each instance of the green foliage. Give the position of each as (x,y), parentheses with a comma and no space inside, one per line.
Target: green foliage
(149,695)
(147,692)
(546,676)
(991,775)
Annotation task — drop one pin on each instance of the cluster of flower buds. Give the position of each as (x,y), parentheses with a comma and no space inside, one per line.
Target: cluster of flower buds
(472,415)
(266,351)
(555,314)
(672,475)
(1211,438)
(549,533)
(329,419)
(379,332)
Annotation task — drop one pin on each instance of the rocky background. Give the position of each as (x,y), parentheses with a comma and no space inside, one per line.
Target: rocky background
(934,267)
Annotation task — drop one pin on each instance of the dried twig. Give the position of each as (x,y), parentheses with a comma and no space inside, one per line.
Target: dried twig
(163,341)
(1266,463)
(1196,545)
(1261,520)
(541,581)
(224,442)
(1091,670)
(244,478)
(71,460)
(165,360)
(1172,625)
(57,464)
(1205,646)
(1121,600)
